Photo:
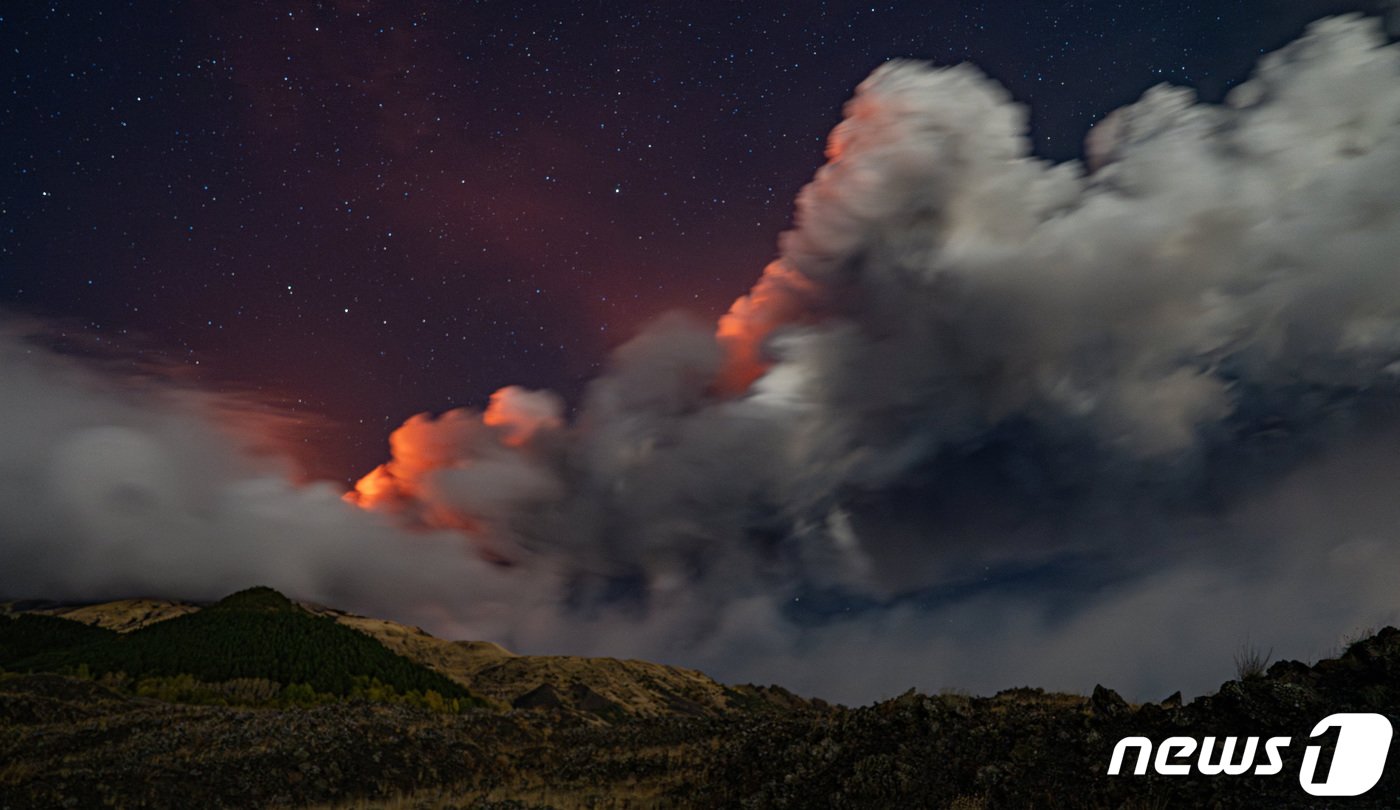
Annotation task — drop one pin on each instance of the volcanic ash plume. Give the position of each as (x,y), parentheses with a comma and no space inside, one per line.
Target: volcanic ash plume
(986,421)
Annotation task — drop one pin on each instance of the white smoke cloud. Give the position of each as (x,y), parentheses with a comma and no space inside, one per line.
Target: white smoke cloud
(987,421)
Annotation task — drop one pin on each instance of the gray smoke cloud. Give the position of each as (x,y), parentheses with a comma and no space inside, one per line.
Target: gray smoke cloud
(988,421)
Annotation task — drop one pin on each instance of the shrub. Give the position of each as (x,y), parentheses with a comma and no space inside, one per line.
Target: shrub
(1251,662)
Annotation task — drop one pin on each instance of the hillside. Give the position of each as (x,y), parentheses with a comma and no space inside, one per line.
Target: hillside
(123,615)
(71,742)
(129,614)
(254,634)
(26,636)
(598,688)
(605,687)
(562,732)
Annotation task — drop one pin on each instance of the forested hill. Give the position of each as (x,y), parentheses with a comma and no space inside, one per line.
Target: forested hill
(253,634)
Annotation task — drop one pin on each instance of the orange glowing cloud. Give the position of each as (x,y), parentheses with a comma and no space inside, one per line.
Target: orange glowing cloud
(782,296)
(519,414)
(419,447)
(444,472)
(377,488)
(426,447)
(447,471)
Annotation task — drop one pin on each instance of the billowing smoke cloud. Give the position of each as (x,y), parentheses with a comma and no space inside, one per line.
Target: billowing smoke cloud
(987,421)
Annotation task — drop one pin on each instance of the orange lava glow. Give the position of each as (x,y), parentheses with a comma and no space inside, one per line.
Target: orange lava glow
(426,445)
(782,296)
(376,488)
(417,448)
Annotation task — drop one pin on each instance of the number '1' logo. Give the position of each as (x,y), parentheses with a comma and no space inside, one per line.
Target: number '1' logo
(1362,746)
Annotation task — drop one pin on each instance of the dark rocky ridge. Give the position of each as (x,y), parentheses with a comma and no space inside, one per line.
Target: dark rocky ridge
(1026,748)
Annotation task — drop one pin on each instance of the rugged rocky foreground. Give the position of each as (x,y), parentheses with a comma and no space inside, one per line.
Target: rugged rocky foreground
(1026,748)
(550,739)
(72,743)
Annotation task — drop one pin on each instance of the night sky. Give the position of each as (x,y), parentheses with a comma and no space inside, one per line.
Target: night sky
(361,211)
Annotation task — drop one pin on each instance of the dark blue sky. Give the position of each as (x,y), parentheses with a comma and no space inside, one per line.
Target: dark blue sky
(361,211)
